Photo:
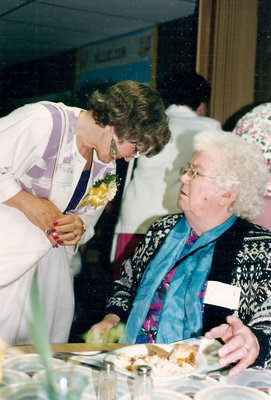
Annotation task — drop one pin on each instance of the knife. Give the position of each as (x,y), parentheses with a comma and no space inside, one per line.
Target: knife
(93,364)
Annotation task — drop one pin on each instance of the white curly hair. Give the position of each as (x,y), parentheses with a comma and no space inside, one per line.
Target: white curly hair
(242,170)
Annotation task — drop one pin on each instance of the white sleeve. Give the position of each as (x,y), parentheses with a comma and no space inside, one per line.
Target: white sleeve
(24,134)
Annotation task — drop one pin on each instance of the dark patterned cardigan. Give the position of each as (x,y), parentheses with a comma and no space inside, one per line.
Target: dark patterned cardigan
(242,257)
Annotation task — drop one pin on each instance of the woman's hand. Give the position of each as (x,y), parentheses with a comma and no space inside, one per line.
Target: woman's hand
(109,330)
(241,345)
(107,323)
(68,229)
(58,228)
(41,212)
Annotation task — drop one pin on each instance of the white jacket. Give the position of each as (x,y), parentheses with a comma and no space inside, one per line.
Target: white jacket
(24,138)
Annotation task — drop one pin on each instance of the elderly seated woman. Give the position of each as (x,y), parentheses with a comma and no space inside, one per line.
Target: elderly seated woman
(206,270)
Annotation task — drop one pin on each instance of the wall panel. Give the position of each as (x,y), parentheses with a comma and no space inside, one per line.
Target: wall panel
(226,53)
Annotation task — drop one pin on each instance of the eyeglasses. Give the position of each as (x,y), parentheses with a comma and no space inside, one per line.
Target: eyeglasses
(137,153)
(114,152)
(192,174)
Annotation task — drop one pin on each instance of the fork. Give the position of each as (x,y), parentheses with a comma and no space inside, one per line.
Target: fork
(68,354)
(204,374)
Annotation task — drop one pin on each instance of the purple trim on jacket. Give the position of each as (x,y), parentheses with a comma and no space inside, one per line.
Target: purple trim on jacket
(42,177)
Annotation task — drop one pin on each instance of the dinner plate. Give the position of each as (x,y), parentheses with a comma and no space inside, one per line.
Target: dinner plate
(203,361)
(254,378)
(22,391)
(28,363)
(66,369)
(10,377)
(161,395)
(190,387)
(88,353)
(230,392)
(27,391)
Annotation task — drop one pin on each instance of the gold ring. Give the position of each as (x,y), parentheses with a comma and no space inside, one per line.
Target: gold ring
(246,347)
(47,232)
(74,234)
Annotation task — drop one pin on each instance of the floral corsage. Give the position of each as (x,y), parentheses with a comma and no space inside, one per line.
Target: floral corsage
(102,190)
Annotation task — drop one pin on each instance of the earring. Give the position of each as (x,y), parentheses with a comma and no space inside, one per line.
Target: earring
(113,149)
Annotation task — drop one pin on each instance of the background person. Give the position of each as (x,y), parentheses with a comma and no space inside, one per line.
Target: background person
(154,187)
(206,269)
(50,156)
(255,127)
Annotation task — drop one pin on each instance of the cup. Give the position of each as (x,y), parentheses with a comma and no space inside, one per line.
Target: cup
(68,383)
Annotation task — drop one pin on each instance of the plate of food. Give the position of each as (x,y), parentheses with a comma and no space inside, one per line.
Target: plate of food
(166,360)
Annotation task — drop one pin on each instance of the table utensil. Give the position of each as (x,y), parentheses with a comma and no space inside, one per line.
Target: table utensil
(94,364)
(64,354)
(203,374)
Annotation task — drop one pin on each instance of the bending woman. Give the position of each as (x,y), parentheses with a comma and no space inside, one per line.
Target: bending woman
(50,156)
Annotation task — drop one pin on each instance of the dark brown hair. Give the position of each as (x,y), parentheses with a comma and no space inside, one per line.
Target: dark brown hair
(137,113)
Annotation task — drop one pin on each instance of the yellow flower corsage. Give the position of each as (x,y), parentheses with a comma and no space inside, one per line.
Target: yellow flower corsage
(101,191)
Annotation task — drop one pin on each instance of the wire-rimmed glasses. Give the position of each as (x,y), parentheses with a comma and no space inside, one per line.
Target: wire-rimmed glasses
(192,173)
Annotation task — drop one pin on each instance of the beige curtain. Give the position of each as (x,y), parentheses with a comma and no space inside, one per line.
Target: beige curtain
(226,53)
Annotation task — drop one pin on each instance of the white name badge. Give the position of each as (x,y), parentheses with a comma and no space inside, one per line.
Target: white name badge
(64,174)
(222,295)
